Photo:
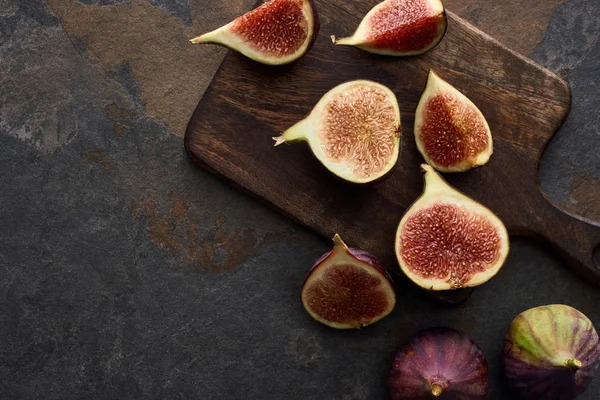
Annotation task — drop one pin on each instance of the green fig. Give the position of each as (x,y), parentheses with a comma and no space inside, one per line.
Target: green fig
(551,353)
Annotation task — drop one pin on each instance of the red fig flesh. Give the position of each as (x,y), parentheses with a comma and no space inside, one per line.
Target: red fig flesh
(400,28)
(450,131)
(439,363)
(354,131)
(551,352)
(348,288)
(448,241)
(278,32)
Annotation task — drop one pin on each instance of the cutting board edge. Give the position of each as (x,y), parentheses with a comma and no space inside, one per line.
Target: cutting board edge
(528,60)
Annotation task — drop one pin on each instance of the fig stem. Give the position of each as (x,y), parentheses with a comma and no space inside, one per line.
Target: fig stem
(279,140)
(218,36)
(436,389)
(294,133)
(208,37)
(346,41)
(337,240)
(433,181)
(574,363)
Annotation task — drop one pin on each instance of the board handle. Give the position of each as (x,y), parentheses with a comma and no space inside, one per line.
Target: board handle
(574,239)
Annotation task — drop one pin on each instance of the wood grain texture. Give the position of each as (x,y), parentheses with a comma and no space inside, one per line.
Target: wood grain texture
(247,103)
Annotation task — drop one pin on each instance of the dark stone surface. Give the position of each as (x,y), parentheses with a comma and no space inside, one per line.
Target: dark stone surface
(570,168)
(178,8)
(126,272)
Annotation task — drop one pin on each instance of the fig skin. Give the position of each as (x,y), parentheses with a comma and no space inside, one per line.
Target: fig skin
(226,37)
(439,363)
(460,271)
(389,39)
(338,126)
(463,148)
(341,254)
(551,353)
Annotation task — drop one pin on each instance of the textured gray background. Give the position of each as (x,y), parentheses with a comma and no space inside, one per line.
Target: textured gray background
(126,272)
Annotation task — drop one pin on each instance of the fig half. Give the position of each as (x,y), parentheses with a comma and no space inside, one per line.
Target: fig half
(451,133)
(439,363)
(354,131)
(275,33)
(551,352)
(348,288)
(399,28)
(448,241)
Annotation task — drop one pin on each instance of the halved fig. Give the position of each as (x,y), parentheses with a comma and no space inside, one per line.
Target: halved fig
(278,32)
(439,363)
(400,28)
(354,131)
(448,241)
(348,288)
(450,131)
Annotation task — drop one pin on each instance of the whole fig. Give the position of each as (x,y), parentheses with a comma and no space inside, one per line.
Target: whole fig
(551,352)
(439,363)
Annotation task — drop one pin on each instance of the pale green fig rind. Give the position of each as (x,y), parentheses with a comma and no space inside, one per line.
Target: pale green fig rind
(546,336)
(437,190)
(435,86)
(308,130)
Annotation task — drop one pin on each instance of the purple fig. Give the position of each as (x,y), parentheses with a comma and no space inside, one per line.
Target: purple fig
(278,32)
(348,288)
(399,28)
(439,363)
(551,353)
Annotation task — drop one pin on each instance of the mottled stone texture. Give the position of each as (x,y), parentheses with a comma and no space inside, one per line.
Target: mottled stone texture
(126,272)
(570,169)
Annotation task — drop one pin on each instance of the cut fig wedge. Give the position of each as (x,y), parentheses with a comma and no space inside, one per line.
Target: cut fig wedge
(348,288)
(399,28)
(451,133)
(277,32)
(354,131)
(448,241)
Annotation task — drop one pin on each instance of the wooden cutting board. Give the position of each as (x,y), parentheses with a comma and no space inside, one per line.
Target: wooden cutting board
(248,103)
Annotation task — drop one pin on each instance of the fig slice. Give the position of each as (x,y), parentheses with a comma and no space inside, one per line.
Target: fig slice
(353,130)
(439,363)
(348,288)
(446,240)
(275,33)
(551,352)
(399,28)
(451,133)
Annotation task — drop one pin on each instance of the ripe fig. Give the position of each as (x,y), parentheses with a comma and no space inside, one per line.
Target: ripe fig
(439,363)
(551,353)
(448,241)
(275,33)
(399,28)
(450,131)
(354,131)
(348,288)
